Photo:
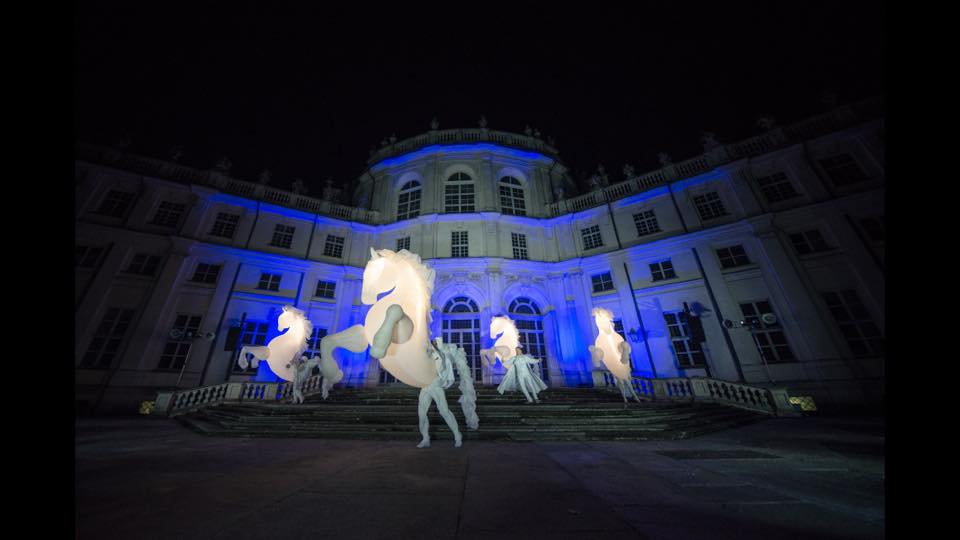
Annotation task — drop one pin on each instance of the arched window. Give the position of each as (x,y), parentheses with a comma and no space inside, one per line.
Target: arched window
(408,205)
(511,197)
(461,325)
(458,194)
(527,316)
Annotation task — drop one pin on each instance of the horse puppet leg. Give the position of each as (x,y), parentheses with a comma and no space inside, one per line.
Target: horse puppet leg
(259,353)
(396,328)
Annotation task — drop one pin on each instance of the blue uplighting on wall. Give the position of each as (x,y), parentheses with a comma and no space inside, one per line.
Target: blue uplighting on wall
(451,148)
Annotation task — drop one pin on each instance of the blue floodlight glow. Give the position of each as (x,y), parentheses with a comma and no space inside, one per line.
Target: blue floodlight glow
(448,148)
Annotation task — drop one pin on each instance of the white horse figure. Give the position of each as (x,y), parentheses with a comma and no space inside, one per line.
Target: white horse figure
(282,350)
(613,350)
(329,371)
(397,326)
(505,347)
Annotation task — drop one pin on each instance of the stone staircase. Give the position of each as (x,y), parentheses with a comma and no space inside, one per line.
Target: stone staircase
(390,413)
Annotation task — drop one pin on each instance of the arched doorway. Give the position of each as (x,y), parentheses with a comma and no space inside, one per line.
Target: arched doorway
(529,320)
(461,326)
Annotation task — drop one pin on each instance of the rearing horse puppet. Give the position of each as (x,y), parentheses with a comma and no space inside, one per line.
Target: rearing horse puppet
(397,326)
(506,346)
(613,350)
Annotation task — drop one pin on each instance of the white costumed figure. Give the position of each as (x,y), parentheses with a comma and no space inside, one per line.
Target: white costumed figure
(613,351)
(434,393)
(521,372)
(397,326)
(468,396)
(329,371)
(283,350)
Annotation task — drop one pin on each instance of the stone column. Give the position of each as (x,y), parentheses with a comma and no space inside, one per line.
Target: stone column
(96,294)
(195,215)
(216,308)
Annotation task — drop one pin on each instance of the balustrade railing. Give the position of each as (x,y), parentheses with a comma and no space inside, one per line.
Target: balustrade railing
(450,136)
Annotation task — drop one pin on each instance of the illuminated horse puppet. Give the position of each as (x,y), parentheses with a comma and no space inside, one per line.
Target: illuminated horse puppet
(398,324)
(613,350)
(282,351)
(505,347)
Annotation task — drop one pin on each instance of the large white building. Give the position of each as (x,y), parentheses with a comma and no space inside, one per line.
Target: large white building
(788,223)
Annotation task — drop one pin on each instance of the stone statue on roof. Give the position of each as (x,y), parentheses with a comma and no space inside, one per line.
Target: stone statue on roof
(264,178)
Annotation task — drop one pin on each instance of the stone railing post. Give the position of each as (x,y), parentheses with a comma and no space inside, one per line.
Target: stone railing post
(781,400)
(162,405)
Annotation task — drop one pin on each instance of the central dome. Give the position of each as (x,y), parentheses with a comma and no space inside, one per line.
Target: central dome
(463,136)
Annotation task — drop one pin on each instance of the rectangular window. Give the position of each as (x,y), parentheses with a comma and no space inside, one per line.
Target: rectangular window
(458,198)
(176,350)
(646,223)
(408,204)
(403,243)
(459,244)
(776,187)
(709,206)
(206,273)
(769,338)
(858,329)
(511,197)
(116,203)
(253,333)
(519,244)
(225,226)
(282,236)
(86,256)
(143,264)
(326,289)
(591,237)
(107,338)
(662,270)
(732,257)
(809,242)
(843,170)
(168,214)
(269,282)
(333,246)
(688,351)
(602,282)
(875,227)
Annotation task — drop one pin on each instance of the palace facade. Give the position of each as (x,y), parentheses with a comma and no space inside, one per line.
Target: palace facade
(759,261)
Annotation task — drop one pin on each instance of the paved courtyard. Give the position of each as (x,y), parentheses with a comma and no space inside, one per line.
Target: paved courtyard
(780,478)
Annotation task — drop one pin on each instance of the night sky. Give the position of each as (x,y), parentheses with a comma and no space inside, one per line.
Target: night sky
(307,94)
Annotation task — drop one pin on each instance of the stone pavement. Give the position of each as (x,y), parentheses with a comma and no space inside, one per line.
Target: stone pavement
(780,478)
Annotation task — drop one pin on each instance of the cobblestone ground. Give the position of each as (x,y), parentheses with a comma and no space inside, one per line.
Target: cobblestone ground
(781,478)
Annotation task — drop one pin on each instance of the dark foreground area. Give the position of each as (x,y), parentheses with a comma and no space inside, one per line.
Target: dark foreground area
(779,478)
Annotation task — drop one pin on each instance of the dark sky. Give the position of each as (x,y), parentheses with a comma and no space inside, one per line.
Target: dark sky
(308,93)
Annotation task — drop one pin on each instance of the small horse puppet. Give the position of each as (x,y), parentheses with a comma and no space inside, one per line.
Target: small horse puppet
(329,371)
(282,350)
(613,351)
(397,326)
(505,347)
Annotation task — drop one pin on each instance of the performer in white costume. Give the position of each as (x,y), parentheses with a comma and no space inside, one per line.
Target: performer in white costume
(434,392)
(329,371)
(521,376)
(468,396)
(613,351)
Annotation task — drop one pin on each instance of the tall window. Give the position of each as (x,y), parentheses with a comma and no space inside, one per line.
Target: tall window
(519,243)
(461,326)
(709,206)
(206,273)
(282,236)
(777,187)
(403,243)
(843,170)
(732,257)
(313,342)
(856,325)
(689,353)
(225,226)
(769,338)
(458,193)
(116,203)
(809,242)
(168,214)
(602,282)
(143,264)
(269,282)
(646,223)
(175,352)
(591,237)
(333,247)
(107,338)
(511,197)
(408,204)
(86,256)
(252,333)
(529,320)
(459,244)
(662,270)
(326,289)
